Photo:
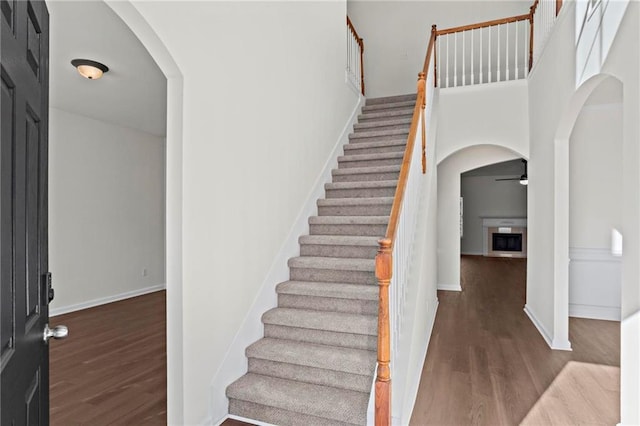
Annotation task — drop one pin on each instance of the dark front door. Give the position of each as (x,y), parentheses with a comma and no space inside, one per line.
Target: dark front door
(24,312)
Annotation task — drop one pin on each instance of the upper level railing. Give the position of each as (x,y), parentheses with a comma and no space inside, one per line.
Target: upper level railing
(355,57)
(515,49)
(498,50)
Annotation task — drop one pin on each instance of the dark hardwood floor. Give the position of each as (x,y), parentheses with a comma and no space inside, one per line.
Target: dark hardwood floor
(488,365)
(112,367)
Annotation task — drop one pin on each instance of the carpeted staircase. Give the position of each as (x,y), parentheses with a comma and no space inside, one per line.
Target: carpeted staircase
(316,362)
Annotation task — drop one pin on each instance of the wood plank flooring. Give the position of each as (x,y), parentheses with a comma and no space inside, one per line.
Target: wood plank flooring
(112,367)
(488,365)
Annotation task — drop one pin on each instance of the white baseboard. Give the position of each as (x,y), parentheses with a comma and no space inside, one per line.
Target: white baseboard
(235,363)
(553,343)
(104,300)
(607,313)
(472,253)
(450,287)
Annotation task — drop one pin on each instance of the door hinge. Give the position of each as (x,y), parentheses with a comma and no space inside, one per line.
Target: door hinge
(50,292)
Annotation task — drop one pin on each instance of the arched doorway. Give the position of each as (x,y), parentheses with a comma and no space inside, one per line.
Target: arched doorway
(173,232)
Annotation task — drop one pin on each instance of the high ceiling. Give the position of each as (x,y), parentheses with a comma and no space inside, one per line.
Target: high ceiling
(132,94)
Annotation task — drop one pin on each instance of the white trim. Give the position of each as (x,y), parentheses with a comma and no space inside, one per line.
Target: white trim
(245,420)
(450,287)
(578,254)
(104,300)
(235,363)
(553,344)
(606,313)
(472,253)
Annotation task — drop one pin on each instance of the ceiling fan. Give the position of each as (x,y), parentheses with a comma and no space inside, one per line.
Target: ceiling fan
(524,180)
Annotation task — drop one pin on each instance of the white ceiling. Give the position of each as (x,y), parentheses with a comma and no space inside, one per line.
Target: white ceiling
(132,94)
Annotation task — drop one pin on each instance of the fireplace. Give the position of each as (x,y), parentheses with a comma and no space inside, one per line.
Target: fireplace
(505,237)
(506,242)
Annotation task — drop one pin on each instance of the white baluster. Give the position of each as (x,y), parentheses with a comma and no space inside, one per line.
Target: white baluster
(481,31)
(515,54)
(499,48)
(507,76)
(439,56)
(464,70)
(455,59)
(472,59)
(448,59)
(489,58)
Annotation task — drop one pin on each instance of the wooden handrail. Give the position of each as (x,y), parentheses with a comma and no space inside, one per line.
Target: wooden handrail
(558,6)
(384,259)
(361,45)
(484,24)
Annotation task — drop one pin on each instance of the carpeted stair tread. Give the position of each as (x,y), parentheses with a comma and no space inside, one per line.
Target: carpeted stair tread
(392,145)
(335,263)
(389,105)
(332,290)
(337,322)
(364,189)
(349,220)
(338,405)
(347,360)
(391,99)
(378,115)
(366,170)
(384,122)
(391,133)
(347,240)
(369,157)
(365,201)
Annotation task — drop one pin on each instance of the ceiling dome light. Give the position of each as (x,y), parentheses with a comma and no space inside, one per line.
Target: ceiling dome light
(524,180)
(89,69)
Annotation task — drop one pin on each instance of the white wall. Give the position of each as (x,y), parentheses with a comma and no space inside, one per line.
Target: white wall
(396,34)
(449,172)
(264,104)
(554,105)
(595,156)
(486,197)
(493,114)
(106,211)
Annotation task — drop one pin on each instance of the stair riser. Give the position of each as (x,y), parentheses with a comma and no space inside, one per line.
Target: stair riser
(329,304)
(352,149)
(322,337)
(361,230)
(359,138)
(390,99)
(388,191)
(375,210)
(369,127)
(321,250)
(316,376)
(332,276)
(366,177)
(276,416)
(385,116)
(387,107)
(346,164)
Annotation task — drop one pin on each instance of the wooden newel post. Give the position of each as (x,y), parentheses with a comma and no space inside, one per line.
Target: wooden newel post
(434,36)
(422,85)
(383,376)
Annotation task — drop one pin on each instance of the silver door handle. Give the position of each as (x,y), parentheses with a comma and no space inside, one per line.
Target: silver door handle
(57,332)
